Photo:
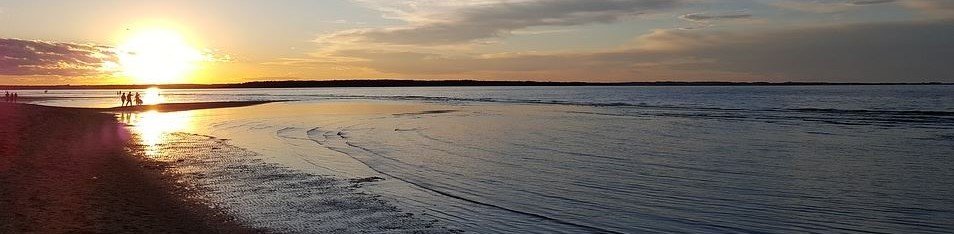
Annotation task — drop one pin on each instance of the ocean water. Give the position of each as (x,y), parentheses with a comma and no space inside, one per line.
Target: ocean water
(583,159)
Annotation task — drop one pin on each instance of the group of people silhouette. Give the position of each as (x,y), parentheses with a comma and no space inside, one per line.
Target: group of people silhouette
(128,98)
(10,97)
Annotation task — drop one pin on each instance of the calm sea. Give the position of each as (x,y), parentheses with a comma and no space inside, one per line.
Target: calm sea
(606,159)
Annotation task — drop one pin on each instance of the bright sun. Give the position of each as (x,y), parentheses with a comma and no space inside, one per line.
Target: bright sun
(158,56)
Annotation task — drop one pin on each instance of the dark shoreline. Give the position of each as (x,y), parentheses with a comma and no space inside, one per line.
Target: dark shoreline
(80,170)
(433,83)
(170,107)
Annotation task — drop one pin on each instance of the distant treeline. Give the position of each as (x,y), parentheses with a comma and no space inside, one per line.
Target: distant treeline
(429,83)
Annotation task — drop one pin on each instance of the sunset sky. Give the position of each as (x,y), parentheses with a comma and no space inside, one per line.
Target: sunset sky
(110,42)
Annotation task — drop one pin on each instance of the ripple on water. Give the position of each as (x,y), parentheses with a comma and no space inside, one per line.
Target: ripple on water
(270,196)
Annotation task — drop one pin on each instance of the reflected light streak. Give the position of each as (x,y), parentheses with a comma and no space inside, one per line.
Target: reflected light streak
(152,127)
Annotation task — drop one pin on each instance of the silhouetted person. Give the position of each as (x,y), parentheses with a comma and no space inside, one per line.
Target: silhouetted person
(129,98)
(138,99)
(122,97)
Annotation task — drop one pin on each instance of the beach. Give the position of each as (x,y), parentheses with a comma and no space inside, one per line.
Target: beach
(86,170)
(75,170)
(477,116)
(486,160)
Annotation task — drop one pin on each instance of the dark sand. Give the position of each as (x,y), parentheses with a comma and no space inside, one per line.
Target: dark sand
(169,107)
(77,170)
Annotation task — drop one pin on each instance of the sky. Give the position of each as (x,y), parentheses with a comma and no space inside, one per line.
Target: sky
(226,41)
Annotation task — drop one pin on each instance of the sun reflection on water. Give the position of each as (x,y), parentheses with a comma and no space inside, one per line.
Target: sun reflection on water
(152,96)
(152,127)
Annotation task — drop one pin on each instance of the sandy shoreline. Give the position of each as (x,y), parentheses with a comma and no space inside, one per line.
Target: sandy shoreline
(169,107)
(78,170)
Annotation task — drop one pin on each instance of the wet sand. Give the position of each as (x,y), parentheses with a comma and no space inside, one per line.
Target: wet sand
(78,170)
(169,107)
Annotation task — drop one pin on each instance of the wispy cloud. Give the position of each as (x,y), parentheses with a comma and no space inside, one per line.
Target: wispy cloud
(705,17)
(911,51)
(467,21)
(869,2)
(444,39)
(935,8)
(43,58)
(932,8)
(24,57)
(540,32)
(704,20)
(826,6)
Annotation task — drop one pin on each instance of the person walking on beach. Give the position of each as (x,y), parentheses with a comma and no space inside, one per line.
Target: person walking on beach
(129,98)
(122,97)
(138,99)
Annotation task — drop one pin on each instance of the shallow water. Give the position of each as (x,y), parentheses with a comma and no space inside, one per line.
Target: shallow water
(604,159)
(271,196)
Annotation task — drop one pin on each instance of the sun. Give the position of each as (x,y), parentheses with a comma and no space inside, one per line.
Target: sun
(157,56)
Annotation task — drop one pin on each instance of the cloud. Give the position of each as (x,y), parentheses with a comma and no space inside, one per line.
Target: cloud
(907,51)
(826,6)
(869,2)
(540,32)
(24,57)
(705,17)
(937,8)
(875,52)
(468,21)
(704,20)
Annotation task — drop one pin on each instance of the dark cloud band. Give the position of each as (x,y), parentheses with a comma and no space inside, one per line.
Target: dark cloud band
(26,58)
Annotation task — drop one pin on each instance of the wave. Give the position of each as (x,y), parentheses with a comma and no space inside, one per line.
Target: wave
(875,112)
(612,103)
(280,199)
(642,105)
(322,137)
(618,108)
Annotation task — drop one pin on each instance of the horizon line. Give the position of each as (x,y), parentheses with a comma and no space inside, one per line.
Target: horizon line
(295,83)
